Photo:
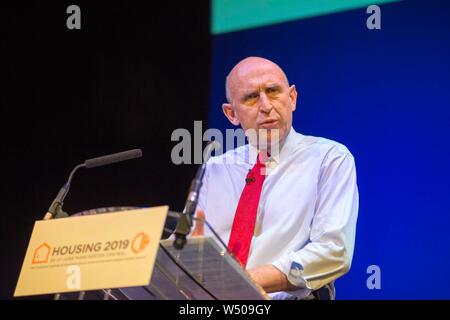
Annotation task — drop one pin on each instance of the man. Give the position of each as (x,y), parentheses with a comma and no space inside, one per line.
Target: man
(288,209)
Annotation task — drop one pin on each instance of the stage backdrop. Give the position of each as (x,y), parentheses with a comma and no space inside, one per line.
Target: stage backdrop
(385,95)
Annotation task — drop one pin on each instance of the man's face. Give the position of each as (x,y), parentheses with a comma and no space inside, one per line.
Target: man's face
(260,98)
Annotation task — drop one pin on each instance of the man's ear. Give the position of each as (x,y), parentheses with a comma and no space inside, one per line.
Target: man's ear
(293,96)
(230,114)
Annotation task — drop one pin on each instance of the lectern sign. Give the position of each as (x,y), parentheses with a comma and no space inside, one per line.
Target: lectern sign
(92,252)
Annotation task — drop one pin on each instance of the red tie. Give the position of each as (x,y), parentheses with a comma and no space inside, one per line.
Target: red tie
(245,216)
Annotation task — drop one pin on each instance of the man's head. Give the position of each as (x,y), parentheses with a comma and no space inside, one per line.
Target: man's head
(259,97)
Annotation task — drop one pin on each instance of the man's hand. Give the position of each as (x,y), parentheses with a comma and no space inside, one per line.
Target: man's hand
(199,227)
(270,278)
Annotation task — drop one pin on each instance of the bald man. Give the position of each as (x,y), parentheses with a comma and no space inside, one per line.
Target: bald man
(286,204)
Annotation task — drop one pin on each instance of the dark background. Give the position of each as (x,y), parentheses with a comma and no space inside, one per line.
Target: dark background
(133,73)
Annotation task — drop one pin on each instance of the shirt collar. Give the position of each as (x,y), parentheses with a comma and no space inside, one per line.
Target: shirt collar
(278,155)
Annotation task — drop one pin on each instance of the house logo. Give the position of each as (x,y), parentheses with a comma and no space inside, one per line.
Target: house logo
(41,254)
(140,242)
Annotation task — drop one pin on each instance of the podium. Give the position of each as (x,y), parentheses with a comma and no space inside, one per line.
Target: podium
(202,270)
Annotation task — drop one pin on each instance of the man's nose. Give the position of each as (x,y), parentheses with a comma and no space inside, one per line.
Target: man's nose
(264,103)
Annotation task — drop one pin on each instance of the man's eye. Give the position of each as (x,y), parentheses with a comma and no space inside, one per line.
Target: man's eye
(251,96)
(272,90)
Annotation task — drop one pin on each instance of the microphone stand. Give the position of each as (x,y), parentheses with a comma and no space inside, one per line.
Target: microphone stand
(55,211)
(185,221)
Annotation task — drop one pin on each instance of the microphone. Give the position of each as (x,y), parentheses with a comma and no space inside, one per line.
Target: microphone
(55,210)
(185,221)
(113,158)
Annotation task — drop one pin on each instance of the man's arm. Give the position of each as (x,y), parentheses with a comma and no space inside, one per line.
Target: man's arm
(329,253)
(270,278)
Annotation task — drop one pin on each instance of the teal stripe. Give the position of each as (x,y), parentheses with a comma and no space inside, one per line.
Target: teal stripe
(233,15)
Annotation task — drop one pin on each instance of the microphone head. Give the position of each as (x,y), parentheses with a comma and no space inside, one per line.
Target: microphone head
(113,158)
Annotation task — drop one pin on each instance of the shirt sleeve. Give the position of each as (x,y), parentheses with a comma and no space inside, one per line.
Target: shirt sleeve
(328,254)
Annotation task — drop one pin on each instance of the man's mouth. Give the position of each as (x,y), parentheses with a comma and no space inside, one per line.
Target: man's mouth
(269,124)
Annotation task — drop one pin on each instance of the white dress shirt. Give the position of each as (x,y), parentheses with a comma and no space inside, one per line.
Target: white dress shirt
(307,213)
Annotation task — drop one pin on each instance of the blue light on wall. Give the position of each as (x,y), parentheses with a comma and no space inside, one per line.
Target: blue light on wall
(385,94)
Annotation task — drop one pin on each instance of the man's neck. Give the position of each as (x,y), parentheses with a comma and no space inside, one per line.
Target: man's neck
(273,148)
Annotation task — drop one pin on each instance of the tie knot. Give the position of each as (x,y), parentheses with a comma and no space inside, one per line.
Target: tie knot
(263,156)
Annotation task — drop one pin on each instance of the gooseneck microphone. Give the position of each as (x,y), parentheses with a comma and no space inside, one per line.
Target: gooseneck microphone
(113,158)
(55,210)
(184,224)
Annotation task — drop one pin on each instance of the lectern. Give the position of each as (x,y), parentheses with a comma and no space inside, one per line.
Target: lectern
(202,270)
